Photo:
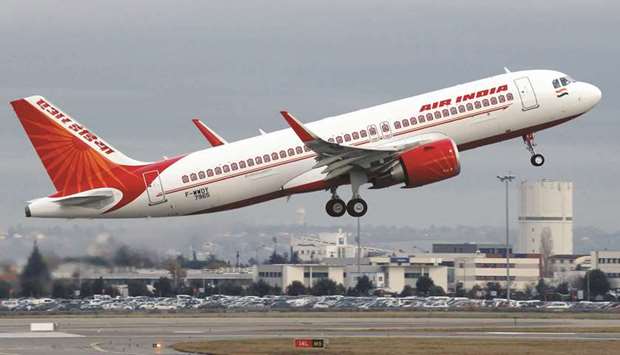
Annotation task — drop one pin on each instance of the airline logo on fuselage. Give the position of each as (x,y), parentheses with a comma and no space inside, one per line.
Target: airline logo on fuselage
(465,97)
(70,124)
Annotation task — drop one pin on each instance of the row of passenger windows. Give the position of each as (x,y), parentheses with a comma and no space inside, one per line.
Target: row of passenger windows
(470,106)
(372,132)
(242,164)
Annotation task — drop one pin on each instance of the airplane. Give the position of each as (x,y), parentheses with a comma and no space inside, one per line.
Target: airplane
(410,142)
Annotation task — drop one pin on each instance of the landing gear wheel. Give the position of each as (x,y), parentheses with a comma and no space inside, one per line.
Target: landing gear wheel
(537,160)
(335,207)
(357,207)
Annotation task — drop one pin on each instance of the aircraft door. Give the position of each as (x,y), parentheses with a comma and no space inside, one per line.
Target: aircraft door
(373,133)
(154,189)
(386,131)
(527,94)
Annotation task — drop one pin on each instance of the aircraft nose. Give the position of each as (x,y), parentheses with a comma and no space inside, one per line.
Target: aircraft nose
(590,95)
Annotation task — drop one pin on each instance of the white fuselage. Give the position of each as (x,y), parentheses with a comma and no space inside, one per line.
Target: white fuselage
(191,185)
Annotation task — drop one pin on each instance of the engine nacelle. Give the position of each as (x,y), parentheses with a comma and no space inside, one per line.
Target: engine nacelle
(424,164)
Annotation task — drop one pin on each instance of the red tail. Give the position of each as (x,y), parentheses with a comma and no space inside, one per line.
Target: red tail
(75,158)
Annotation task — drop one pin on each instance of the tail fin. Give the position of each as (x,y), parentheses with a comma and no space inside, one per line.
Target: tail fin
(75,158)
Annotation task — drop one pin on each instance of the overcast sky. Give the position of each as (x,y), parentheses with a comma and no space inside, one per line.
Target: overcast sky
(136,72)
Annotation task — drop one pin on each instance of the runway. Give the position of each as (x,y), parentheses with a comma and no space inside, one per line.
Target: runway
(136,335)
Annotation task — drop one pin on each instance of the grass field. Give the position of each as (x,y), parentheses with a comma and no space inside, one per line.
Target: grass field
(396,345)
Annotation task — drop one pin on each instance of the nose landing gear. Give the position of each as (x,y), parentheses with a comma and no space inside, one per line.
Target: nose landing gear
(536,159)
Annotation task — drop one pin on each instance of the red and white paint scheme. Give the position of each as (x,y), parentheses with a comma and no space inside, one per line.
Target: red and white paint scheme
(409,142)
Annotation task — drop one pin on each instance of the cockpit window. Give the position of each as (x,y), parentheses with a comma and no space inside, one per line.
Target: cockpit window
(563,81)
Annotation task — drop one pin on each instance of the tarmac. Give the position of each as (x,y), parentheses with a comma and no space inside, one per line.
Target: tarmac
(139,335)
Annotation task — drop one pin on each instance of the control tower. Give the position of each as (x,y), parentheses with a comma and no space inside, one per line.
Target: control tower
(546,217)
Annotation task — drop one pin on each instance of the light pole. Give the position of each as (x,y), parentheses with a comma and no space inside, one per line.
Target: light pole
(506,179)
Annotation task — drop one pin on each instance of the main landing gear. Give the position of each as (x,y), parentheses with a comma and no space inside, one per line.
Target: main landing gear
(356,207)
(536,159)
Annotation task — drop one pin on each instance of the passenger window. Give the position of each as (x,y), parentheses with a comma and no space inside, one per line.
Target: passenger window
(185,179)
(242,164)
(556,83)
(282,154)
(372,131)
(437,114)
(405,123)
(218,171)
(266,158)
(493,101)
(453,110)
(461,108)
(385,127)
(210,172)
(339,139)
(363,133)
(250,162)
(421,119)
(509,96)
(331,140)
(477,104)
(234,166)
(469,106)
(485,102)
(193,176)
(397,125)
(201,175)
(347,137)
(291,152)
(356,135)
(413,120)
(445,112)
(299,150)
(226,168)
(306,148)
(259,160)
(502,98)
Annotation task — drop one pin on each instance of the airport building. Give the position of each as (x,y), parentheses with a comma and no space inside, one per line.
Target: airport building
(390,274)
(313,249)
(282,275)
(480,269)
(609,263)
(546,217)
(470,248)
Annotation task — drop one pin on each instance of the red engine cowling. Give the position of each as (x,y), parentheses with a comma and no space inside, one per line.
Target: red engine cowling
(429,163)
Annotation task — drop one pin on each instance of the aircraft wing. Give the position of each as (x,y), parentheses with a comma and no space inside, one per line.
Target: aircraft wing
(340,159)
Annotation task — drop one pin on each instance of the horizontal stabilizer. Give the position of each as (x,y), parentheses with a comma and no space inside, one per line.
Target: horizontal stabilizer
(91,198)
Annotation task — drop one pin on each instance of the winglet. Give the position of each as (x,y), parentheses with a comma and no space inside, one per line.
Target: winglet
(302,132)
(208,133)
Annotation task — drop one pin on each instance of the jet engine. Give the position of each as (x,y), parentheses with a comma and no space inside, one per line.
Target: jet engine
(424,164)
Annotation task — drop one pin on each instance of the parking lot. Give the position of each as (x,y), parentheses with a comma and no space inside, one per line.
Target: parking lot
(184,303)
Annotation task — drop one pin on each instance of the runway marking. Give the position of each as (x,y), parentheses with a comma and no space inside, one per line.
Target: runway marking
(528,333)
(40,335)
(95,346)
(188,332)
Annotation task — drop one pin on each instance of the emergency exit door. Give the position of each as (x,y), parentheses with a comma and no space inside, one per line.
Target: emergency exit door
(526,93)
